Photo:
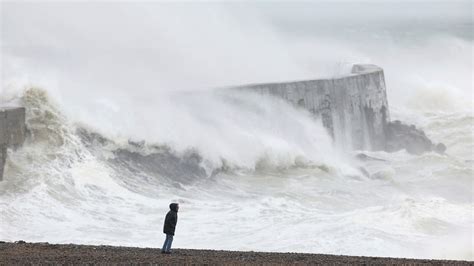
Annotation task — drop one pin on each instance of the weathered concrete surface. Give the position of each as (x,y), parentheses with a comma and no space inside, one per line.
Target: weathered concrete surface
(353,108)
(12,131)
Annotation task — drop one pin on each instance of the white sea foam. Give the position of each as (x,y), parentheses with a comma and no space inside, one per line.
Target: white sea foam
(265,176)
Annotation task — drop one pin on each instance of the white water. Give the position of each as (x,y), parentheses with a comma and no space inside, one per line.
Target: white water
(282,186)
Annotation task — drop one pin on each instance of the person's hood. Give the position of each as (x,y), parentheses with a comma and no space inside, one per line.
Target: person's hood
(174,207)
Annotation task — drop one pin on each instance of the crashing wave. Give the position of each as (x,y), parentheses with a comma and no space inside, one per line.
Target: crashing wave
(52,136)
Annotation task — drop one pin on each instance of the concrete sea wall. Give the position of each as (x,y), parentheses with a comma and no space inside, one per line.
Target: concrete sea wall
(353,108)
(12,131)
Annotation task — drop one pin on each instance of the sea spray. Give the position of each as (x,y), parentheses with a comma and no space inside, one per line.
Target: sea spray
(266,176)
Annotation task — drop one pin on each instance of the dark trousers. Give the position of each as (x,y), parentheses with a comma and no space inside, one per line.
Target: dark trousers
(167,245)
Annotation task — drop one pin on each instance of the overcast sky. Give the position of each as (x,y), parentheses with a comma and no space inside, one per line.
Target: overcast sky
(112,45)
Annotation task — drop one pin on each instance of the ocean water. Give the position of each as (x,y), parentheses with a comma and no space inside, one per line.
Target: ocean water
(129,114)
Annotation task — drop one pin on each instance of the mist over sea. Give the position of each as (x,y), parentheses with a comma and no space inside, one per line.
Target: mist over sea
(128,111)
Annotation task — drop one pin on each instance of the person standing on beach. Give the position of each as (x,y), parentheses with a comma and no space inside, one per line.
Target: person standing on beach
(169,227)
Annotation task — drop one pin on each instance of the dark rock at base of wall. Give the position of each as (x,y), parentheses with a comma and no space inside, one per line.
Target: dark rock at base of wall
(440,148)
(401,136)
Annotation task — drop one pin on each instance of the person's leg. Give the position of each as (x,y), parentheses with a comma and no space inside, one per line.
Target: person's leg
(170,241)
(165,245)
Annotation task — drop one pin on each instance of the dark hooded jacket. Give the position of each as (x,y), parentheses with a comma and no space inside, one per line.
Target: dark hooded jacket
(171,220)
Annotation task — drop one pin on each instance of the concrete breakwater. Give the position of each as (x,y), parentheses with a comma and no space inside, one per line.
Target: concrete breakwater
(354,110)
(12,131)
